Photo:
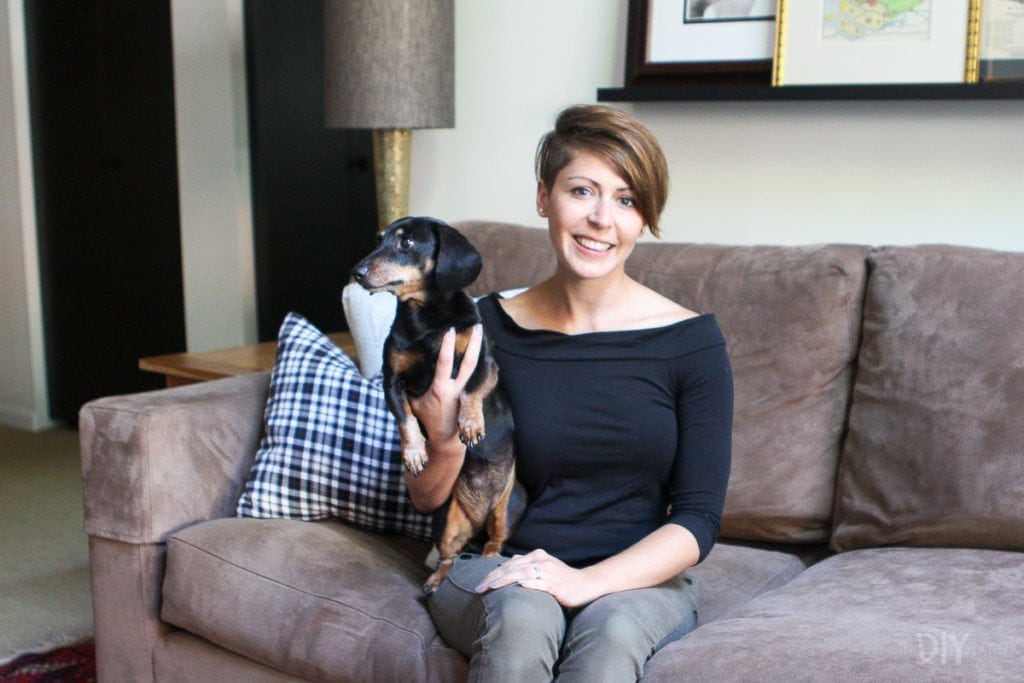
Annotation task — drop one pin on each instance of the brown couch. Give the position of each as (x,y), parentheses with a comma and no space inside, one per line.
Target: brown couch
(874,524)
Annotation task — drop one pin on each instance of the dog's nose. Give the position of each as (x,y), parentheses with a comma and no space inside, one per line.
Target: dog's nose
(360,272)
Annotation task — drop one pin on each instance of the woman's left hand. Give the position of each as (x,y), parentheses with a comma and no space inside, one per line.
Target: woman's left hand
(540,571)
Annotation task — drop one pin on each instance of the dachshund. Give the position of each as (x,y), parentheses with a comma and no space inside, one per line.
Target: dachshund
(427,264)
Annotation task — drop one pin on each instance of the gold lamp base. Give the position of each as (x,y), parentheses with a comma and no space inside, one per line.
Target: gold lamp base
(391,153)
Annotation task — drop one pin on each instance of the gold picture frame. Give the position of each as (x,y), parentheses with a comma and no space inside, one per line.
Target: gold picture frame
(846,42)
(1002,40)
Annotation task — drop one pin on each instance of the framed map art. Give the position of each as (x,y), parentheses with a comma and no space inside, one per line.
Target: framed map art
(876,41)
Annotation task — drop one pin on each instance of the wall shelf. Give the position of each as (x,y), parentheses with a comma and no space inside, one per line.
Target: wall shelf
(991,90)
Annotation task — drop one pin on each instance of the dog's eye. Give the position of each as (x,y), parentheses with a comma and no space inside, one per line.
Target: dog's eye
(406,242)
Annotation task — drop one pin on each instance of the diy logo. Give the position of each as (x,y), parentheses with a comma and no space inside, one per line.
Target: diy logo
(941,649)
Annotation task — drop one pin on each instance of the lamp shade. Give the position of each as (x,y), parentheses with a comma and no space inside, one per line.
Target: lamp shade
(389,64)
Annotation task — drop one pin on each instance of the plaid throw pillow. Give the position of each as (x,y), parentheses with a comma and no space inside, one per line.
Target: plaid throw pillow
(330,447)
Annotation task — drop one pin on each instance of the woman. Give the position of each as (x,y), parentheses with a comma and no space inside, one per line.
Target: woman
(623,407)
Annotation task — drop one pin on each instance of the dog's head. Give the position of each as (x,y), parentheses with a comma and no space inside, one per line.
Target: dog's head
(417,255)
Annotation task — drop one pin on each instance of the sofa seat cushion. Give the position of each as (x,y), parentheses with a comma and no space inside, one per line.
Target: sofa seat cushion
(307,598)
(181,656)
(935,453)
(734,573)
(876,614)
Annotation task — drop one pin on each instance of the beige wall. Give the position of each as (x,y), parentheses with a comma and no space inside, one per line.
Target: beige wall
(213,173)
(22,374)
(891,172)
(896,172)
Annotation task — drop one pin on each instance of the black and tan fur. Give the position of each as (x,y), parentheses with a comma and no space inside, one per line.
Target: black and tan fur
(427,264)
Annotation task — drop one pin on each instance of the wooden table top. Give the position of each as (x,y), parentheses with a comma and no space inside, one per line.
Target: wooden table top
(182,368)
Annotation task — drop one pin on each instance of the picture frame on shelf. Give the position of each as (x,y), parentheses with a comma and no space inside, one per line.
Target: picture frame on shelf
(1002,40)
(700,42)
(845,42)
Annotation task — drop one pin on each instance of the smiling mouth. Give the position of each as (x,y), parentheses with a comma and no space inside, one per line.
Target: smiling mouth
(591,245)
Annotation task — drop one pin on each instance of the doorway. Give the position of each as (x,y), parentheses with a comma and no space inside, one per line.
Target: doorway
(102,100)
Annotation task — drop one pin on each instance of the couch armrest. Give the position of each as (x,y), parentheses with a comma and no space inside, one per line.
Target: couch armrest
(155,462)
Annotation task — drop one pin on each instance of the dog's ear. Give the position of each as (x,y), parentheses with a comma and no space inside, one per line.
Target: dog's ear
(458,262)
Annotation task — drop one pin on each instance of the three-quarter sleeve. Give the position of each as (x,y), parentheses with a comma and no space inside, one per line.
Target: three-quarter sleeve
(704,454)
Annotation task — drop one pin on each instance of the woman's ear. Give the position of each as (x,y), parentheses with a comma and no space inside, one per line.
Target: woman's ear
(542,199)
(458,263)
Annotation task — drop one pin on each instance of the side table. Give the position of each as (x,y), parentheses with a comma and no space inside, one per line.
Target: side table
(187,368)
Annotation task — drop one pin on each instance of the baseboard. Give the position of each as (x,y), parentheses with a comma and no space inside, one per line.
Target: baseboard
(26,420)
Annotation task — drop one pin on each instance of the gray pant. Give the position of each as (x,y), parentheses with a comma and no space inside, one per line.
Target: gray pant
(519,634)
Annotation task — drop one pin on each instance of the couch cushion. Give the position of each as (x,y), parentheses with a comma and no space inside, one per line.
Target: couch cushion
(514,256)
(181,656)
(331,447)
(732,573)
(935,454)
(307,598)
(791,318)
(882,614)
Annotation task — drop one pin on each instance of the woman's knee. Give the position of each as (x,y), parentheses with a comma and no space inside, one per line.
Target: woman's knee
(457,610)
(521,635)
(516,610)
(609,630)
(604,645)
(506,630)
(613,637)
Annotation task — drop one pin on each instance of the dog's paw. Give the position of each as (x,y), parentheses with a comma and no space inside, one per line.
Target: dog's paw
(435,579)
(414,460)
(471,431)
(492,549)
(432,583)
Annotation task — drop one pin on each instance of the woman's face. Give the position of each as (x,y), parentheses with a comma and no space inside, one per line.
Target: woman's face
(593,220)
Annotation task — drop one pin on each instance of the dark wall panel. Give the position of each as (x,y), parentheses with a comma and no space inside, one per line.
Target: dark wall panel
(314,209)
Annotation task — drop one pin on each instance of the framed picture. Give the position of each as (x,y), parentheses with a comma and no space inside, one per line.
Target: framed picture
(1002,40)
(679,42)
(876,41)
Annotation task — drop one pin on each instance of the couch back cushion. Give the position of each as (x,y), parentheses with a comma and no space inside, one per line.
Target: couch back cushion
(514,255)
(791,317)
(935,452)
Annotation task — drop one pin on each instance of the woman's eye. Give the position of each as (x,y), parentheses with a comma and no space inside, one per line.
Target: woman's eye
(628,202)
(581,191)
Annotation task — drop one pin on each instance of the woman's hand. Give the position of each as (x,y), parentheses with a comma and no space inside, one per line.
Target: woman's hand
(656,557)
(438,409)
(438,413)
(540,571)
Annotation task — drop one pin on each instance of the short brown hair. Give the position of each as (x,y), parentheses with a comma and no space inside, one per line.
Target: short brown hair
(622,141)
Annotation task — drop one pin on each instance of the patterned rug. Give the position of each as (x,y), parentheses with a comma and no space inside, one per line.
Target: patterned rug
(72,664)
